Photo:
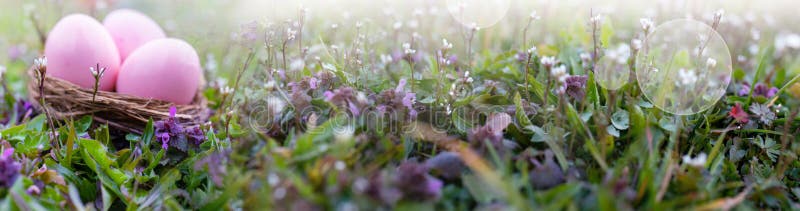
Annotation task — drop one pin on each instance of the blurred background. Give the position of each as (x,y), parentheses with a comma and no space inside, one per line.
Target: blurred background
(212,25)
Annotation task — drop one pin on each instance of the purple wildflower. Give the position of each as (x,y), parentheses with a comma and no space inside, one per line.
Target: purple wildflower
(453,59)
(546,174)
(447,164)
(23,109)
(745,90)
(399,98)
(378,188)
(522,56)
(409,99)
(493,133)
(574,86)
(312,83)
(249,32)
(764,90)
(164,139)
(15,52)
(9,168)
(759,90)
(170,130)
(196,134)
(345,97)
(215,164)
(415,182)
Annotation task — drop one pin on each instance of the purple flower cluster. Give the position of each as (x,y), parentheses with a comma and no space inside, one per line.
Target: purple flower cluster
(9,168)
(410,182)
(171,132)
(415,182)
(398,99)
(759,90)
(492,132)
(300,98)
(23,110)
(546,174)
(575,86)
(346,97)
(448,165)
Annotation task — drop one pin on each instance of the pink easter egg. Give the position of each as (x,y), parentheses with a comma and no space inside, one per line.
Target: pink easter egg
(165,69)
(130,30)
(76,43)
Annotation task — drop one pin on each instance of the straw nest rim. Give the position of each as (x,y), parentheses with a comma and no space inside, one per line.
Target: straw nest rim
(126,113)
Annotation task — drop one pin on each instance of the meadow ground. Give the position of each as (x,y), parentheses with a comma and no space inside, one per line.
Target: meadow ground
(363,105)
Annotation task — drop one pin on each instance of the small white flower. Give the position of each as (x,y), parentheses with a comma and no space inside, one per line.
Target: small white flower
(469,80)
(532,50)
(226,90)
(755,34)
(40,62)
(269,86)
(474,26)
(211,62)
(386,59)
(718,15)
(93,71)
(290,34)
(446,45)
(397,25)
(407,49)
(273,179)
(647,24)
(548,61)
(362,98)
(619,54)
(636,44)
(596,20)
(711,63)
(334,26)
(297,64)
(560,73)
(534,15)
(276,105)
(585,56)
(340,165)
(687,77)
(698,161)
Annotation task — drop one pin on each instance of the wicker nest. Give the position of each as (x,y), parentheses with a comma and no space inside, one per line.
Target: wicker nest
(121,112)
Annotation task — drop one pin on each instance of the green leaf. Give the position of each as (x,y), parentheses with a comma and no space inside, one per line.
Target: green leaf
(95,153)
(620,119)
(33,144)
(667,123)
(520,112)
(480,191)
(612,131)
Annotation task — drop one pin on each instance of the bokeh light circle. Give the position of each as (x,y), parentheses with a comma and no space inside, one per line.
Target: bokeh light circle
(684,67)
(480,13)
(612,71)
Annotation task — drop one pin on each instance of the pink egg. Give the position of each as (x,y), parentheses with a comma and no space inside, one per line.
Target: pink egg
(76,43)
(164,69)
(130,30)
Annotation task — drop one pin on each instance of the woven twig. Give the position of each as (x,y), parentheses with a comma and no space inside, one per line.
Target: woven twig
(122,112)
